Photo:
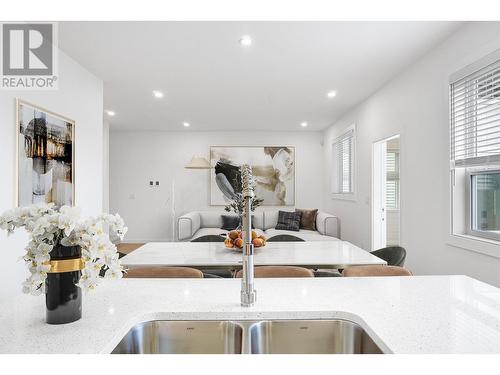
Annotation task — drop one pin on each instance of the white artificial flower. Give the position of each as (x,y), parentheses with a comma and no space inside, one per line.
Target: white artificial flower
(40,226)
(68,218)
(7,221)
(35,284)
(41,258)
(89,278)
(49,226)
(114,273)
(44,248)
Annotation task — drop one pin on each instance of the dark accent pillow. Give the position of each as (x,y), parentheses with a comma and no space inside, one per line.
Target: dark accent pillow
(288,221)
(230,222)
(308,219)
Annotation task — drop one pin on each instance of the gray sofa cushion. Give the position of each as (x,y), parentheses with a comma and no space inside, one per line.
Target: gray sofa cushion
(328,226)
(270,219)
(258,219)
(213,219)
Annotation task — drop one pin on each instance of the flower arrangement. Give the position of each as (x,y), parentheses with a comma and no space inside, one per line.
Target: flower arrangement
(49,226)
(238,202)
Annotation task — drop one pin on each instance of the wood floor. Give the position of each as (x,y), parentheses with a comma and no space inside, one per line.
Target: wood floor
(127,248)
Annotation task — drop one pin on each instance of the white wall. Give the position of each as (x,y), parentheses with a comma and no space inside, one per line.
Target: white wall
(138,157)
(105,168)
(415,105)
(79,97)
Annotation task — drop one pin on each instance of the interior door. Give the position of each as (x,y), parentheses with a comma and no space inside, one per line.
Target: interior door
(379,212)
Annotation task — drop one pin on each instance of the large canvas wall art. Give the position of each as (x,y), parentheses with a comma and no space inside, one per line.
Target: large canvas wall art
(45,156)
(273,168)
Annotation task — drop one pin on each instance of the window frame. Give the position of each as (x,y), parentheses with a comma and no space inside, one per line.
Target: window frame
(471,214)
(458,238)
(352,194)
(463,239)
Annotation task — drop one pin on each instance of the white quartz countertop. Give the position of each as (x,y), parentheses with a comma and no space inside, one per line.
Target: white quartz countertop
(420,314)
(314,254)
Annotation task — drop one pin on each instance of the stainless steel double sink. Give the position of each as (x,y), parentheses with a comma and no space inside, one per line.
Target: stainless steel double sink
(248,337)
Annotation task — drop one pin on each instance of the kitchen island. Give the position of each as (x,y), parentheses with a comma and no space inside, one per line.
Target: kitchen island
(419,314)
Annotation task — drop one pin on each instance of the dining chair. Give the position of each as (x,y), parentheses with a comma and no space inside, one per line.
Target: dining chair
(285,238)
(209,238)
(163,272)
(393,255)
(327,273)
(279,271)
(375,270)
(213,273)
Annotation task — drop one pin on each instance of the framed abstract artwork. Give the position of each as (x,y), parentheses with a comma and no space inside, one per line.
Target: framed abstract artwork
(273,168)
(45,156)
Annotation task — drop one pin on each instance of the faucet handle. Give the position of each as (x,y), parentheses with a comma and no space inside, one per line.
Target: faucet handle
(247,181)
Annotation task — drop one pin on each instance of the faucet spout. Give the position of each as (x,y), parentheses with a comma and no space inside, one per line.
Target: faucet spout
(248,293)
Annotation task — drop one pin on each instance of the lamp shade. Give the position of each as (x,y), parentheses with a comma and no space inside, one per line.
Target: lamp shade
(198,162)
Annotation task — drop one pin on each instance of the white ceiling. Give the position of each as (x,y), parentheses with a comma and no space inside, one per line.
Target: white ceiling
(214,83)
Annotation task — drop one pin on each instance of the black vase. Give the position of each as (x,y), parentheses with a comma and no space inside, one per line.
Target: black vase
(62,297)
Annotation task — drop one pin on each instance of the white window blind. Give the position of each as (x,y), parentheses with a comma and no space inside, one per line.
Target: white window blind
(343,159)
(475,118)
(392,180)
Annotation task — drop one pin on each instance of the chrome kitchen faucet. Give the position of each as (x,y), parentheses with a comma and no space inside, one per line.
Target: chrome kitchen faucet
(248,293)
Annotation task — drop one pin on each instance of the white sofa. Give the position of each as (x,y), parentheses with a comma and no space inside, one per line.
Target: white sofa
(202,223)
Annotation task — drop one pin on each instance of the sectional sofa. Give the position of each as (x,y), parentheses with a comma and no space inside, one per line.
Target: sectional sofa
(201,223)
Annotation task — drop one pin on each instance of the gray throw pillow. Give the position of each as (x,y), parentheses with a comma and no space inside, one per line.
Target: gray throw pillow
(288,221)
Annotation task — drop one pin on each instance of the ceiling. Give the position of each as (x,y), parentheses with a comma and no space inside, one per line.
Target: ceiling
(214,83)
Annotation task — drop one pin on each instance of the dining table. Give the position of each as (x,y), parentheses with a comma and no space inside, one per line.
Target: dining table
(214,255)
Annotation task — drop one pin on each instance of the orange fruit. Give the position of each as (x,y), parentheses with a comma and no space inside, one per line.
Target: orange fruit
(264,240)
(239,242)
(233,234)
(254,234)
(257,242)
(228,243)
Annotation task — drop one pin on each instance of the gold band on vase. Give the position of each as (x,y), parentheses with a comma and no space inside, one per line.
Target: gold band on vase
(66,265)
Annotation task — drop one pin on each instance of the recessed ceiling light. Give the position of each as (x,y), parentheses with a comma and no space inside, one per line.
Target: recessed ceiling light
(332,94)
(110,113)
(246,41)
(186,124)
(304,124)
(157,94)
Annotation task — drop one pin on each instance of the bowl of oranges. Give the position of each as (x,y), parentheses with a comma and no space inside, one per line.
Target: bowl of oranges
(234,240)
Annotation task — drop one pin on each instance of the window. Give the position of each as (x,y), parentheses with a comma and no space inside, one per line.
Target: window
(392,180)
(343,164)
(475,150)
(485,204)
